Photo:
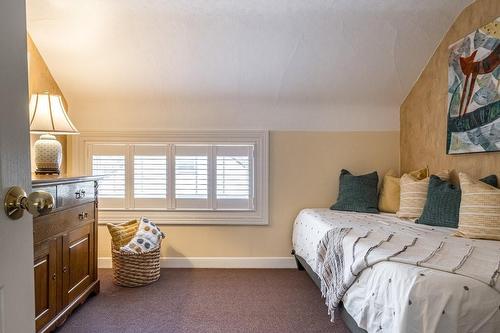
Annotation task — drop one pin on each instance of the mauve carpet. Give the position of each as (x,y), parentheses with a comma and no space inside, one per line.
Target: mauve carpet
(207,300)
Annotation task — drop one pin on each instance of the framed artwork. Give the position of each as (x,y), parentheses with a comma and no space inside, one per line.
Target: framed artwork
(474,92)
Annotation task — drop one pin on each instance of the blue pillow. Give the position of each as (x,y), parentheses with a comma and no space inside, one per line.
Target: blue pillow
(357,193)
(442,206)
(490,180)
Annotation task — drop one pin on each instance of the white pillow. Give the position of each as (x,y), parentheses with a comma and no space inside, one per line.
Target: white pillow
(147,238)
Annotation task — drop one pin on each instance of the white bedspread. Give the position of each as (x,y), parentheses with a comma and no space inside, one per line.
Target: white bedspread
(379,300)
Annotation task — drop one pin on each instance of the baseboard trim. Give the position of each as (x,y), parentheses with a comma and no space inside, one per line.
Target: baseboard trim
(216,262)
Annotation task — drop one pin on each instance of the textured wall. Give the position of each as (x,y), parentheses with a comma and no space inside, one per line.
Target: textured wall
(304,169)
(40,80)
(424,112)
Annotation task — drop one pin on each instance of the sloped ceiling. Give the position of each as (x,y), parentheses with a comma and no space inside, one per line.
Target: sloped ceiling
(283,52)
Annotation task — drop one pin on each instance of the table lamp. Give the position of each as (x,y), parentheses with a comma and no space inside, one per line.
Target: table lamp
(48,117)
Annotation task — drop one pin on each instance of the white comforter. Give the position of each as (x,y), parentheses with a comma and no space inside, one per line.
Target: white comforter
(378,301)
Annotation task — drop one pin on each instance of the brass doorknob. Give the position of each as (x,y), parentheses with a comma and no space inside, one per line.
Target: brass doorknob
(37,203)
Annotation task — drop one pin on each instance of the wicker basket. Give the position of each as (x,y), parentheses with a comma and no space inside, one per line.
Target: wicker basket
(135,269)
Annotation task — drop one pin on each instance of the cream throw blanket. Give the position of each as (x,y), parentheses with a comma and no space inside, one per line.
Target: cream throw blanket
(358,241)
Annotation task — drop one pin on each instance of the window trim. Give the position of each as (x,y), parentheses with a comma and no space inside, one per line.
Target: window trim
(80,155)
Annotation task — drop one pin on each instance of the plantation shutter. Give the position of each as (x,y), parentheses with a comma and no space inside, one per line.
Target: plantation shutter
(109,161)
(150,176)
(185,176)
(192,177)
(234,177)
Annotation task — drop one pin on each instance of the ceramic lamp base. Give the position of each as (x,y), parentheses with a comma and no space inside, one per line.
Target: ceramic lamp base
(48,155)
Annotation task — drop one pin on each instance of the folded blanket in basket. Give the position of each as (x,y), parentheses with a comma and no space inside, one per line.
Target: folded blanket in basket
(148,237)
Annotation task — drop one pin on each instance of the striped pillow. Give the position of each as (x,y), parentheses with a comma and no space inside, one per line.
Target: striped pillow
(413,195)
(479,209)
(388,198)
(122,233)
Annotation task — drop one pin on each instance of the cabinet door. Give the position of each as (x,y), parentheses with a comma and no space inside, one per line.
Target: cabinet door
(78,261)
(45,267)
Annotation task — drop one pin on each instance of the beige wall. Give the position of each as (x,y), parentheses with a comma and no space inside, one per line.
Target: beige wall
(304,171)
(424,112)
(304,165)
(40,80)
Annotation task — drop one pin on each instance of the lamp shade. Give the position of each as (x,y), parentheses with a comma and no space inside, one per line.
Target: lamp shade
(47,115)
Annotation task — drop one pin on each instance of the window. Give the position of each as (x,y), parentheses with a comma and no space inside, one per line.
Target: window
(150,177)
(191,176)
(181,179)
(149,167)
(234,177)
(109,161)
(113,168)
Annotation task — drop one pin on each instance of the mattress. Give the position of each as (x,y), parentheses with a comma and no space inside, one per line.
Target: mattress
(379,300)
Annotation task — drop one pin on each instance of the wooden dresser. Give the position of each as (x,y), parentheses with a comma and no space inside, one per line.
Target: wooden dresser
(65,248)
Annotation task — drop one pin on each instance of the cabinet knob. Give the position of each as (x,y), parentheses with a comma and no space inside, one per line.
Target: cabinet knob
(65,269)
(54,276)
(83,216)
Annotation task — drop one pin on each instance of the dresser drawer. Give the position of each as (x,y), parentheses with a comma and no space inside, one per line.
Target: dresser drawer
(75,194)
(54,224)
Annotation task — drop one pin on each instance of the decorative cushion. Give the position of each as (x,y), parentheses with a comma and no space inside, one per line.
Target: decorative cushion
(442,205)
(414,195)
(147,238)
(357,193)
(479,210)
(388,199)
(490,180)
(122,233)
(420,173)
(443,202)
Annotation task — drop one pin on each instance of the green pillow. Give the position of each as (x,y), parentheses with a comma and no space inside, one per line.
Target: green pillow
(357,193)
(490,180)
(442,206)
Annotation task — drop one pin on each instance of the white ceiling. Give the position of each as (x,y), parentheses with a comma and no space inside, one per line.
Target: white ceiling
(329,52)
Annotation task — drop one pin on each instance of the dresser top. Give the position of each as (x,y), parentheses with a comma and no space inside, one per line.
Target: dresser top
(45,180)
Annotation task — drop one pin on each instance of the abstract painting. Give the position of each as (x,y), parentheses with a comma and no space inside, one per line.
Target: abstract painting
(474,92)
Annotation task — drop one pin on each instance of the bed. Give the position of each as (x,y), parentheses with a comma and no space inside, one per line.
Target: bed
(399,297)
